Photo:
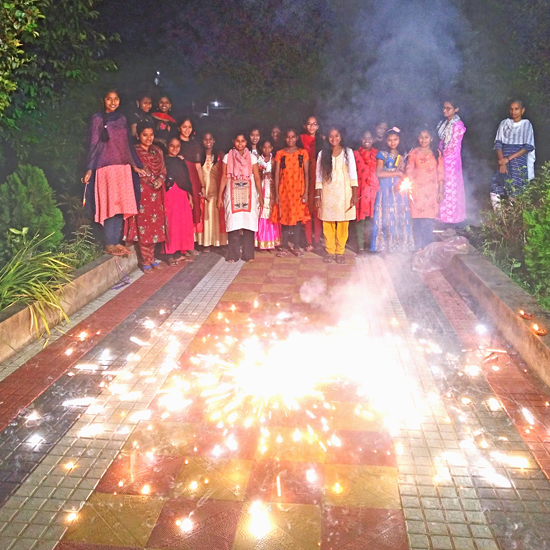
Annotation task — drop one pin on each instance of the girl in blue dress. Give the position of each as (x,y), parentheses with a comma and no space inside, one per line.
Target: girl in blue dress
(392,230)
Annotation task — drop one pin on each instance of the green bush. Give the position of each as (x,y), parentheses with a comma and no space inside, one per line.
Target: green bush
(516,238)
(27,200)
(35,276)
(82,248)
(537,235)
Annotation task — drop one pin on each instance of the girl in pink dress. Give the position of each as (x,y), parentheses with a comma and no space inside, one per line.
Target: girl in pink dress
(268,235)
(451,130)
(178,203)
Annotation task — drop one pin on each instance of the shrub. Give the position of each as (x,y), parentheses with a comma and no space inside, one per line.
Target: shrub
(537,246)
(27,200)
(83,248)
(516,237)
(34,276)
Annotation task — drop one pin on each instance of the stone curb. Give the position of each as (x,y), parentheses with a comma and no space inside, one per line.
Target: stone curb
(89,282)
(501,299)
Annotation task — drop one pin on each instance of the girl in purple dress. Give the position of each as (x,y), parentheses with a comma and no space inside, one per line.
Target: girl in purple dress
(451,130)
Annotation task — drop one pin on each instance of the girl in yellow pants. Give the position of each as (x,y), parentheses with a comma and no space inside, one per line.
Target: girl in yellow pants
(336,194)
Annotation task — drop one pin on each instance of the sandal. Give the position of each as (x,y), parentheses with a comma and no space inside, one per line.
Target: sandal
(328,259)
(340,259)
(124,249)
(310,248)
(172,262)
(146,269)
(114,250)
(156,265)
(282,253)
(297,252)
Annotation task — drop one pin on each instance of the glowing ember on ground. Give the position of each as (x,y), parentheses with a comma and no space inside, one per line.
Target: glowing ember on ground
(259,521)
(185,525)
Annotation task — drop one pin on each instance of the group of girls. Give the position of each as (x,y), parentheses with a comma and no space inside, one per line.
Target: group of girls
(165,190)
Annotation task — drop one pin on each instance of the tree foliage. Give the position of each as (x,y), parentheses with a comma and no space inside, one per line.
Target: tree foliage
(18,22)
(64,57)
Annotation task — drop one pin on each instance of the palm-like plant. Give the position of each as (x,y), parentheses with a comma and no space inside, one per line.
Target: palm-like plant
(35,277)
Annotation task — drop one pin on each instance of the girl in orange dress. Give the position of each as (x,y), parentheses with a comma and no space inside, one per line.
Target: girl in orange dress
(291,192)
(425,170)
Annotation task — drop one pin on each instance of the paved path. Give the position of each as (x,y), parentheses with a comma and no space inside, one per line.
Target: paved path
(281,404)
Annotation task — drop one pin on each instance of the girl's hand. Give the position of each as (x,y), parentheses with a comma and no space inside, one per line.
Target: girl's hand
(504,161)
(220,204)
(86,177)
(502,169)
(354,198)
(261,201)
(317,202)
(440,196)
(140,171)
(304,198)
(190,201)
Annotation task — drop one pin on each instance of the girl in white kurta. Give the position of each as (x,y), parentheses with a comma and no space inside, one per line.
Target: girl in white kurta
(240,195)
(336,194)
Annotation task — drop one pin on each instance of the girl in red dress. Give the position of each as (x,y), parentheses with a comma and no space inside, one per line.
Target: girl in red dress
(148,226)
(365,159)
(312,141)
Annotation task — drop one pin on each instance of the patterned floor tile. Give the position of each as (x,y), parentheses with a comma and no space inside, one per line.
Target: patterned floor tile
(285,481)
(363,529)
(361,486)
(138,474)
(290,444)
(117,520)
(279,526)
(215,479)
(369,448)
(183,525)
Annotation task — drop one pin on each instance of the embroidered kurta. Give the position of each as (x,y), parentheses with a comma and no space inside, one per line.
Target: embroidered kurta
(336,195)
(453,207)
(148,226)
(292,186)
(368,182)
(425,172)
(240,201)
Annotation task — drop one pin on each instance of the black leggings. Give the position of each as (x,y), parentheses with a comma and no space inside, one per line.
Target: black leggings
(297,234)
(234,241)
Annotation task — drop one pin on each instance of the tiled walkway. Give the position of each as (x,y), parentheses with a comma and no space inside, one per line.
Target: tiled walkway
(281,404)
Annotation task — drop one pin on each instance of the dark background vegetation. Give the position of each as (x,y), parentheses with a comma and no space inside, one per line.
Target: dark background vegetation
(347,61)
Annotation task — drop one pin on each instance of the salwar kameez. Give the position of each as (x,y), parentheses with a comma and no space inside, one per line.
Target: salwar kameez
(336,194)
(211,234)
(241,205)
(148,226)
(452,208)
